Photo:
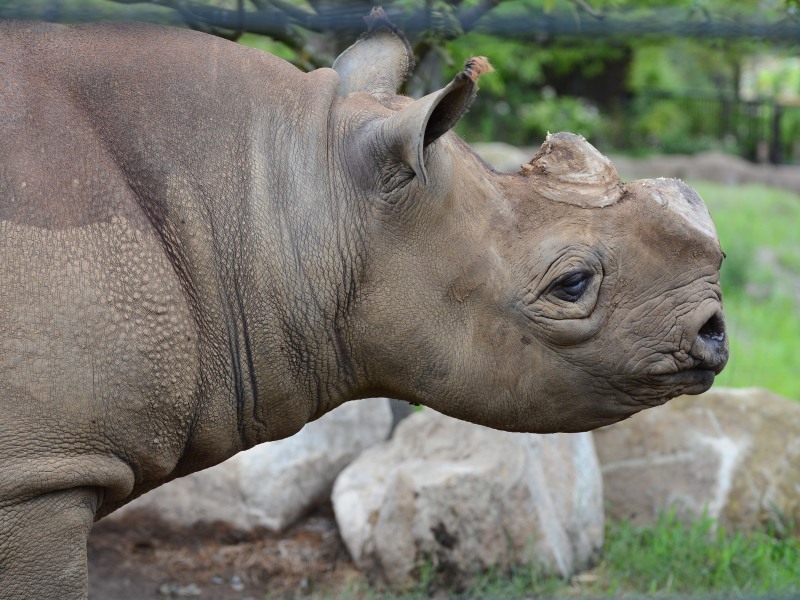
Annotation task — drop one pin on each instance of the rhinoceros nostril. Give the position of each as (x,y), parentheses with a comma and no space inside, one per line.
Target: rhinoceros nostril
(713,329)
(710,346)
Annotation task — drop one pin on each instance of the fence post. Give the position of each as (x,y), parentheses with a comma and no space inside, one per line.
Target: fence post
(776,150)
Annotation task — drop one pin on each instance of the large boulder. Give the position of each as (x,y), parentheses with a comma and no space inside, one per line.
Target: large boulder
(273,484)
(462,499)
(733,454)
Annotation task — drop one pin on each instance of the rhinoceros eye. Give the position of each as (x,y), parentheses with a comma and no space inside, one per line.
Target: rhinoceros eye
(571,286)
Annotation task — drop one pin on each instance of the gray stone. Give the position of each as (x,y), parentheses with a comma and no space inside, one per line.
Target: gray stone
(275,483)
(466,498)
(731,453)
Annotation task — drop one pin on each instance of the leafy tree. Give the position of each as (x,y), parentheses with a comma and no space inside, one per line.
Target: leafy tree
(560,63)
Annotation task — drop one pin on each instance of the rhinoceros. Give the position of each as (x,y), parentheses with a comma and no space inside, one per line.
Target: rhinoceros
(203,248)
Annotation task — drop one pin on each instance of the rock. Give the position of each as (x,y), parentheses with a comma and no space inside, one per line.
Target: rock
(174,590)
(709,166)
(275,483)
(465,498)
(734,453)
(400,410)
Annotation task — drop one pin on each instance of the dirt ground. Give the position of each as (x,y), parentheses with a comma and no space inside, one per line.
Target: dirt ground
(141,558)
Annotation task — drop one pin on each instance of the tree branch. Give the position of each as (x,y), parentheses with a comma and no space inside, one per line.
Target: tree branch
(586,7)
(470,17)
(268,21)
(297,15)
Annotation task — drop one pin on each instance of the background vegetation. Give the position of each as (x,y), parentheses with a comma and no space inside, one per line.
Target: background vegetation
(633,75)
(759,229)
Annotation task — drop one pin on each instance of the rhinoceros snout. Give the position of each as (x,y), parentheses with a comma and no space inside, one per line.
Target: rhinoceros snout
(710,347)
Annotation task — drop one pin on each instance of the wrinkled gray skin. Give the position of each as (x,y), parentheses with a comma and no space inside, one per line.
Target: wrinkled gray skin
(202,248)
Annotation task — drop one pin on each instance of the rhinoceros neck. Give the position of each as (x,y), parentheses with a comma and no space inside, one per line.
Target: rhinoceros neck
(226,152)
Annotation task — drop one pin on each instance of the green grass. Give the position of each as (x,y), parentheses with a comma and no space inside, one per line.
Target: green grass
(759,229)
(698,559)
(764,339)
(668,560)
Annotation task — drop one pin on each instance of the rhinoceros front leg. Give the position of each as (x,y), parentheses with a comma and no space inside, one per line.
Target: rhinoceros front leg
(43,545)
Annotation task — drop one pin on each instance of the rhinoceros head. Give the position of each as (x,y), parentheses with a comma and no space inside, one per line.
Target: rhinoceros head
(559,298)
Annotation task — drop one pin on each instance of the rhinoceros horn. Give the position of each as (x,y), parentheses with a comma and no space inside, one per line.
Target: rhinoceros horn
(569,169)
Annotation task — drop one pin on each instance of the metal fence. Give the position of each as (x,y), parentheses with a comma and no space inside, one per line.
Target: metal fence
(761,130)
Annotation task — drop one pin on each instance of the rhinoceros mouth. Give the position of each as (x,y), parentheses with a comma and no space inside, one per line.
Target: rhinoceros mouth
(687,381)
(656,388)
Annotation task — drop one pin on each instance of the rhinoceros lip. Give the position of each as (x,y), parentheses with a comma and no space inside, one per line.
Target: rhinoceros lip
(656,388)
(688,381)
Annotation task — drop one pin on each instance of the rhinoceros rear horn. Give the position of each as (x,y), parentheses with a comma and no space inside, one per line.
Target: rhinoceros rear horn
(378,63)
(424,121)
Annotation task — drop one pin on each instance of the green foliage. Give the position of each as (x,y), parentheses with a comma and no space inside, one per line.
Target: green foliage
(267,45)
(687,64)
(776,77)
(516,65)
(551,114)
(515,104)
(628,70)
(653,68)
(663,125)
(677,124)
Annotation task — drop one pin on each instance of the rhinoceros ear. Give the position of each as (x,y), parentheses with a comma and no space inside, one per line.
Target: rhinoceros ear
(423,121)
(378,63)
